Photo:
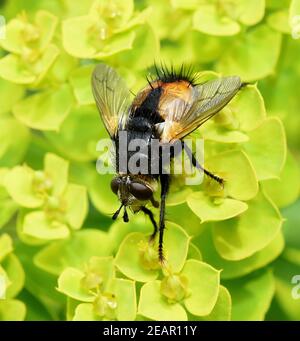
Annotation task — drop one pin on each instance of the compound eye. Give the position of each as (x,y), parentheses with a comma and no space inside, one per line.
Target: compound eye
(140,191)
(114,185)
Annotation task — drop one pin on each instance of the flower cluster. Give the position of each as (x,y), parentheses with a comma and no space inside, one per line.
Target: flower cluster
(231,251)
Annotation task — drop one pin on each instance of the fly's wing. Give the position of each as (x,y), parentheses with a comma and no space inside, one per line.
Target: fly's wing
(111,96)
(206,100)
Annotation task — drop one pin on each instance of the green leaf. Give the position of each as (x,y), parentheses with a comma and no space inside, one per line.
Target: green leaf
(194,252)
(119,230)
(14,42)
(5,282)
(13,69)
(207,20)
(87,241)
(267,148)
(71,307)
(203,285)
(116,13)
(133,247)
(46,110)
(78,135)
(118,43)
(77,27)
(290,229)
(174,236)
(238,185)
(19,184)
(177,197)
(187,4)
(44,63)
(124,291)
(15,139)
(20,33)
(233,269)
(279,21)
(8,208)
(251,296)
(154,306)
(285,191)
(36,224)
(77,205)
(103,267)
(178,214)
(222,308)
(138,55)
(211,209)
(291,255)
(69,283)
(15,273)
(294,9)
(249,107)
(250,12)
(57,169)
(85,312)
(81,87)
(87,44)
(44,290)
(62,67)
(241,237)
(128,259)
(6,89)
(253,58)
(12,310)
(213,132)
(6,246)
(47,23)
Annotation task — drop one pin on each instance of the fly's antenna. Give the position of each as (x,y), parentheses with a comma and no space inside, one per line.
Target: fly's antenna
(125,216)
(115,216)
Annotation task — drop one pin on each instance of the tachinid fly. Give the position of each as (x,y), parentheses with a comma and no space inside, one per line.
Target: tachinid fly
(170,107)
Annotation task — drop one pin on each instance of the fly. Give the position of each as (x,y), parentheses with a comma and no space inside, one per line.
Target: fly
(170,107)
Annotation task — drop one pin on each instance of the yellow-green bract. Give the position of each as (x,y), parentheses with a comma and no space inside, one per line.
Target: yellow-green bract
(233,253)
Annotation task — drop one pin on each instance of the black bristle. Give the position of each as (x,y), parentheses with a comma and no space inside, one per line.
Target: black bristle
(169,74)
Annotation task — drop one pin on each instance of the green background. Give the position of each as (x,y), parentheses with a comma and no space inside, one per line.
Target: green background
(232,253)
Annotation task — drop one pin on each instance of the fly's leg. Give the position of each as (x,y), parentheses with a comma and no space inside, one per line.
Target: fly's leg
(151,217)
(196,164)
(165,184)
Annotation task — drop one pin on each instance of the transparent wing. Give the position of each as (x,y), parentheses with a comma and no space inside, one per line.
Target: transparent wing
(111,96)
(207,99)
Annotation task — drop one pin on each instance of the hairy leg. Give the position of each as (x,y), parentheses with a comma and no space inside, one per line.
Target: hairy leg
(151,216)
(196,164)
(165,184)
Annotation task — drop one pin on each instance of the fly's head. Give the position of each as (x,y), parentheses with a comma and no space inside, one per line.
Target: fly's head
(133,192)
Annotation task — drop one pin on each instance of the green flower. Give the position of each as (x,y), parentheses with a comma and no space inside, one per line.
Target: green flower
(31,52)
(99,294)
(53,206)
(107,29)
(185,286)
(12,278)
